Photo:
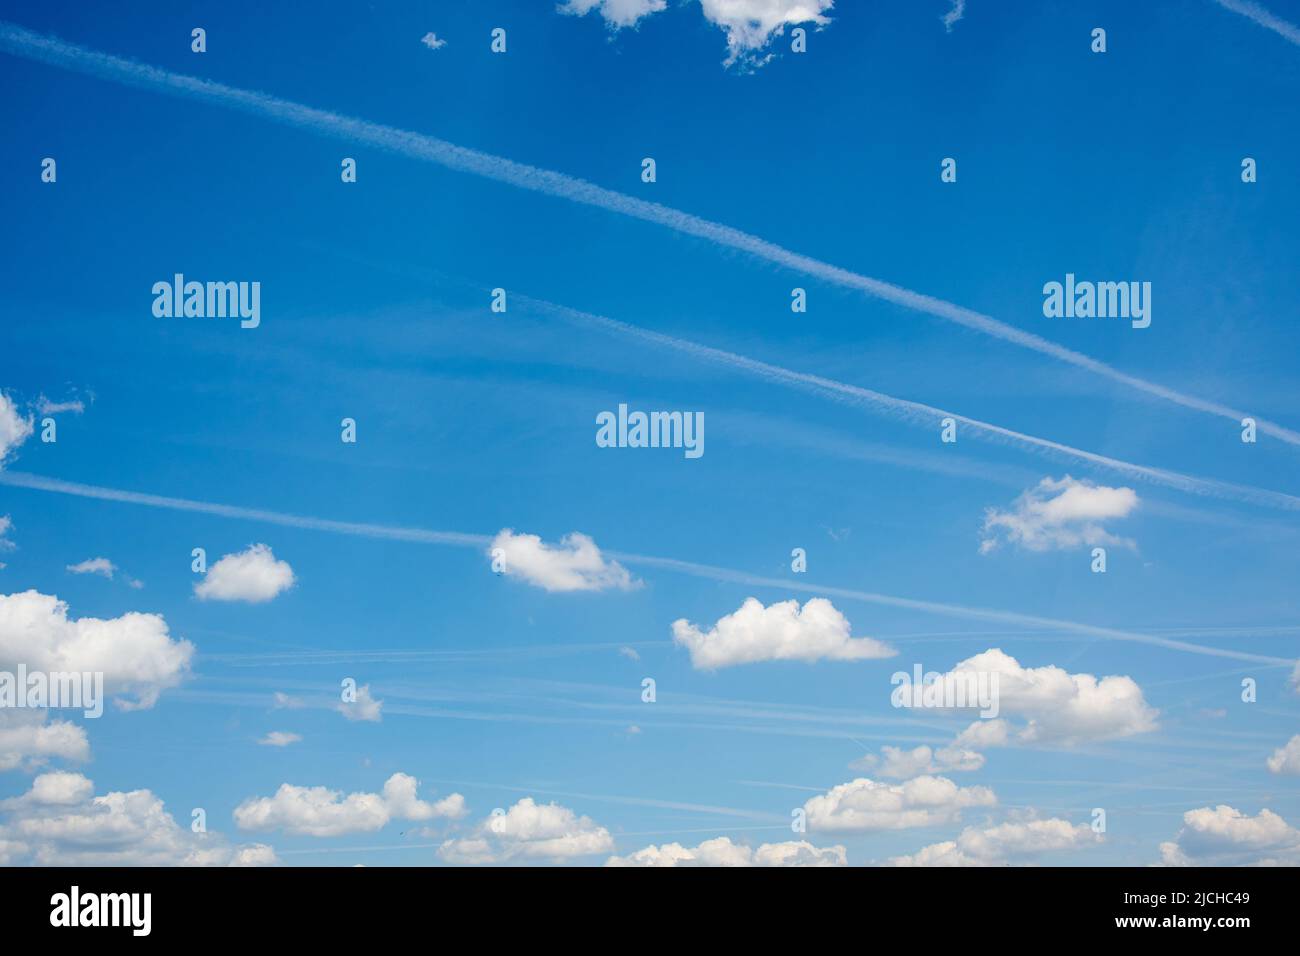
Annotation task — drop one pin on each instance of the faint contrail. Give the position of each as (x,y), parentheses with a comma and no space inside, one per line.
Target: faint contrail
(1253,11)
(916,411)
(22,42)
(480,541)
(20,479)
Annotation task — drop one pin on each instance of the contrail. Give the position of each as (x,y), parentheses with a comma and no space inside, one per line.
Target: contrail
(19,479)
(22,42)
(1253,11)
(481,541)
(916,412)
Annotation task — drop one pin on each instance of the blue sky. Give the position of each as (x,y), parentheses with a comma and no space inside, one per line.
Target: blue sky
(1115,166)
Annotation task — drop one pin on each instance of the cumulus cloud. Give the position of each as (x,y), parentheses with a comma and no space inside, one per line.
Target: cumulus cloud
(575,564)
(253,575)
(1003,845)
(722,852)
(280,738)
(617,13)
(781,632)
(28,739)
(321,812)
(6,525)
(60,822)
(364,707)
(1059,514)
(749,25)
(1058,707)
(432,42)
(14,428)
(1225,836)
(899,764)
(529,831)
(1286,759)
(864,805)
(134,652)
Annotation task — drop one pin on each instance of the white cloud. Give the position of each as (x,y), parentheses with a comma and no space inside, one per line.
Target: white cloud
(253,575)
(529,831)
(781,632)
(899,764)
(47,407)
(575,564)
(722,852)
(284,701)
(1003,845)
(749,25)
(432,42)
(60,822)
(365,707)
(1058,514)
(957,11)
(134,652)
(101,566)
(617,13)
(1225,836)
(1059,707)
(104,568)
(983,734)
(28,739)
(14,428)
(320,812)
(630,653)
(6,525)
(864,805)
(280,738)
(1286,759)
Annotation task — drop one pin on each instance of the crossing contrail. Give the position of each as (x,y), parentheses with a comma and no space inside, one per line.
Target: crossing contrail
(22,42)
(481,541)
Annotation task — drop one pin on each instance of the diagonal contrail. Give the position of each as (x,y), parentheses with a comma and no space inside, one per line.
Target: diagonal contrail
(1253,11)
(481,541)
(915,411)
(22,42)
